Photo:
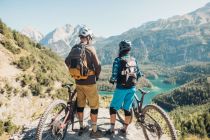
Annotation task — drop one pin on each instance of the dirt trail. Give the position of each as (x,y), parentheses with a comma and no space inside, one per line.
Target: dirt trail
(103,124)
(7,71)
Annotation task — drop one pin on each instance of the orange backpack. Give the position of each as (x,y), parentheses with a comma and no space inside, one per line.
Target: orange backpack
(77,62)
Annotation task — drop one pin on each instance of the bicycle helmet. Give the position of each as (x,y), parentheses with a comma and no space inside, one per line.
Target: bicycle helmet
(125,45)
(84,31)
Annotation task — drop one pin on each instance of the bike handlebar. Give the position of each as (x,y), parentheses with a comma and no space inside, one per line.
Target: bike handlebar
(67,85)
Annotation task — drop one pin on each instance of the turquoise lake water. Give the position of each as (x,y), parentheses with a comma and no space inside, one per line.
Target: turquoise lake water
(158,87)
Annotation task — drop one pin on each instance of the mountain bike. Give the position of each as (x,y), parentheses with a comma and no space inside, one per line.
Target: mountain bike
(153,120)
(57,117)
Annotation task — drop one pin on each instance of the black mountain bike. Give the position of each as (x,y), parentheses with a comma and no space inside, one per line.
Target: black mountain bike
(154,121)
(57,117)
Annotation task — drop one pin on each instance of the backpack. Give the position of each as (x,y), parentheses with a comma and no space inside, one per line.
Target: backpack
(128,72)
(77,62)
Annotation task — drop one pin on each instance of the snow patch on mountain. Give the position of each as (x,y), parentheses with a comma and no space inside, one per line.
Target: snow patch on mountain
(32,33)
(67,34)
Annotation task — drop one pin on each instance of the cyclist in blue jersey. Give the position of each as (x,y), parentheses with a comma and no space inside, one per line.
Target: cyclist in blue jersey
(125,73)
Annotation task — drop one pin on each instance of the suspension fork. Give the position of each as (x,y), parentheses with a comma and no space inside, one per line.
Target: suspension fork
(69,115)
(69,109)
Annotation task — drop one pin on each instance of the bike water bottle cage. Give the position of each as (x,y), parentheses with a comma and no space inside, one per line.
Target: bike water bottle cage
(94,111)
(112,111)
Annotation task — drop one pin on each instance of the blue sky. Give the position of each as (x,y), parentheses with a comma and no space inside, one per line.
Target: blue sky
(104,17)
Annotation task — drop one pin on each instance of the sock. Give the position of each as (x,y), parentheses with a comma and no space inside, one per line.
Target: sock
(81,124)
(94,126)
(112,127)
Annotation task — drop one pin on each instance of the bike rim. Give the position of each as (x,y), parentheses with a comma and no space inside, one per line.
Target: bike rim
(51,126)
(157,124)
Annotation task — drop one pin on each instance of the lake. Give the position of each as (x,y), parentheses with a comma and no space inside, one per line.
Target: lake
(158,87)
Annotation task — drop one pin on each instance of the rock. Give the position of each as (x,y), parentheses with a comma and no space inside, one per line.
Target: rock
(14,137)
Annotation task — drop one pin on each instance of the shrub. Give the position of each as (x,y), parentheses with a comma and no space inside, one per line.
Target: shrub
(36,89)
(1,127)
(38,46)
(61,93)
(5,30)
(9,46)
(19,39)
(2,91)
(26,80)
(10,127)
(16,91)
(8,88)
(25,93)
(24,63)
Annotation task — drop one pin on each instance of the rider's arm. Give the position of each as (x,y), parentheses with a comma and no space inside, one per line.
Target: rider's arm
(67,60)
(115,69)
(96,62)
(139,73)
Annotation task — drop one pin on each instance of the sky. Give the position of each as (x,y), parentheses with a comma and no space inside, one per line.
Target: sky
(104,17)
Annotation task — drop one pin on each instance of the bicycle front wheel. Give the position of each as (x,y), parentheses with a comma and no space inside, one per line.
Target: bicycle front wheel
(157,124)
(49,127)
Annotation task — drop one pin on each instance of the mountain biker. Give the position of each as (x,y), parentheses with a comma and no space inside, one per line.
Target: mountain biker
(85,77)
(125,73)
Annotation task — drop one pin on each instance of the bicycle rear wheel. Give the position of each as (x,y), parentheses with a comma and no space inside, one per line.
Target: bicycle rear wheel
(50,122)
(157,124)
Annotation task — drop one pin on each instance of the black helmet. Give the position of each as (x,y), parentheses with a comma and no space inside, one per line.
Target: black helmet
(125,45)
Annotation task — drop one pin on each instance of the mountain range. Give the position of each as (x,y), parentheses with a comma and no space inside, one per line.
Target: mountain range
(60,40)
(33,33)
(174,41)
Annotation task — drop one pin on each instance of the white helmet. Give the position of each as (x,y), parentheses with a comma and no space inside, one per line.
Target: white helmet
(84,31)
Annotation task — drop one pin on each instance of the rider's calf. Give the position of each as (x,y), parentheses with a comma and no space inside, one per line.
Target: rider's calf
(94,111)
(127,113)
(112,111)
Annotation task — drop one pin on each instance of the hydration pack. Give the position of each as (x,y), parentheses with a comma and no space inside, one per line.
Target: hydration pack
(77,62)
(128,72)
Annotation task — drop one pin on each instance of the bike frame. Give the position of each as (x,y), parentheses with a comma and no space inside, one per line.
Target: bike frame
(138,113)
(69,108)
(141,101)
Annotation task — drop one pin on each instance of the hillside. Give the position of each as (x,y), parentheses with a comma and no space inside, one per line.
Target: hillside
(196,92)
(173,41)
(192,120)
(30,77)
(190,102)
(186,73)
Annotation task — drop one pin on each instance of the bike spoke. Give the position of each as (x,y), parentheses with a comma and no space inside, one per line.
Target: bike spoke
(156,124)
(47,135)
(51,125)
